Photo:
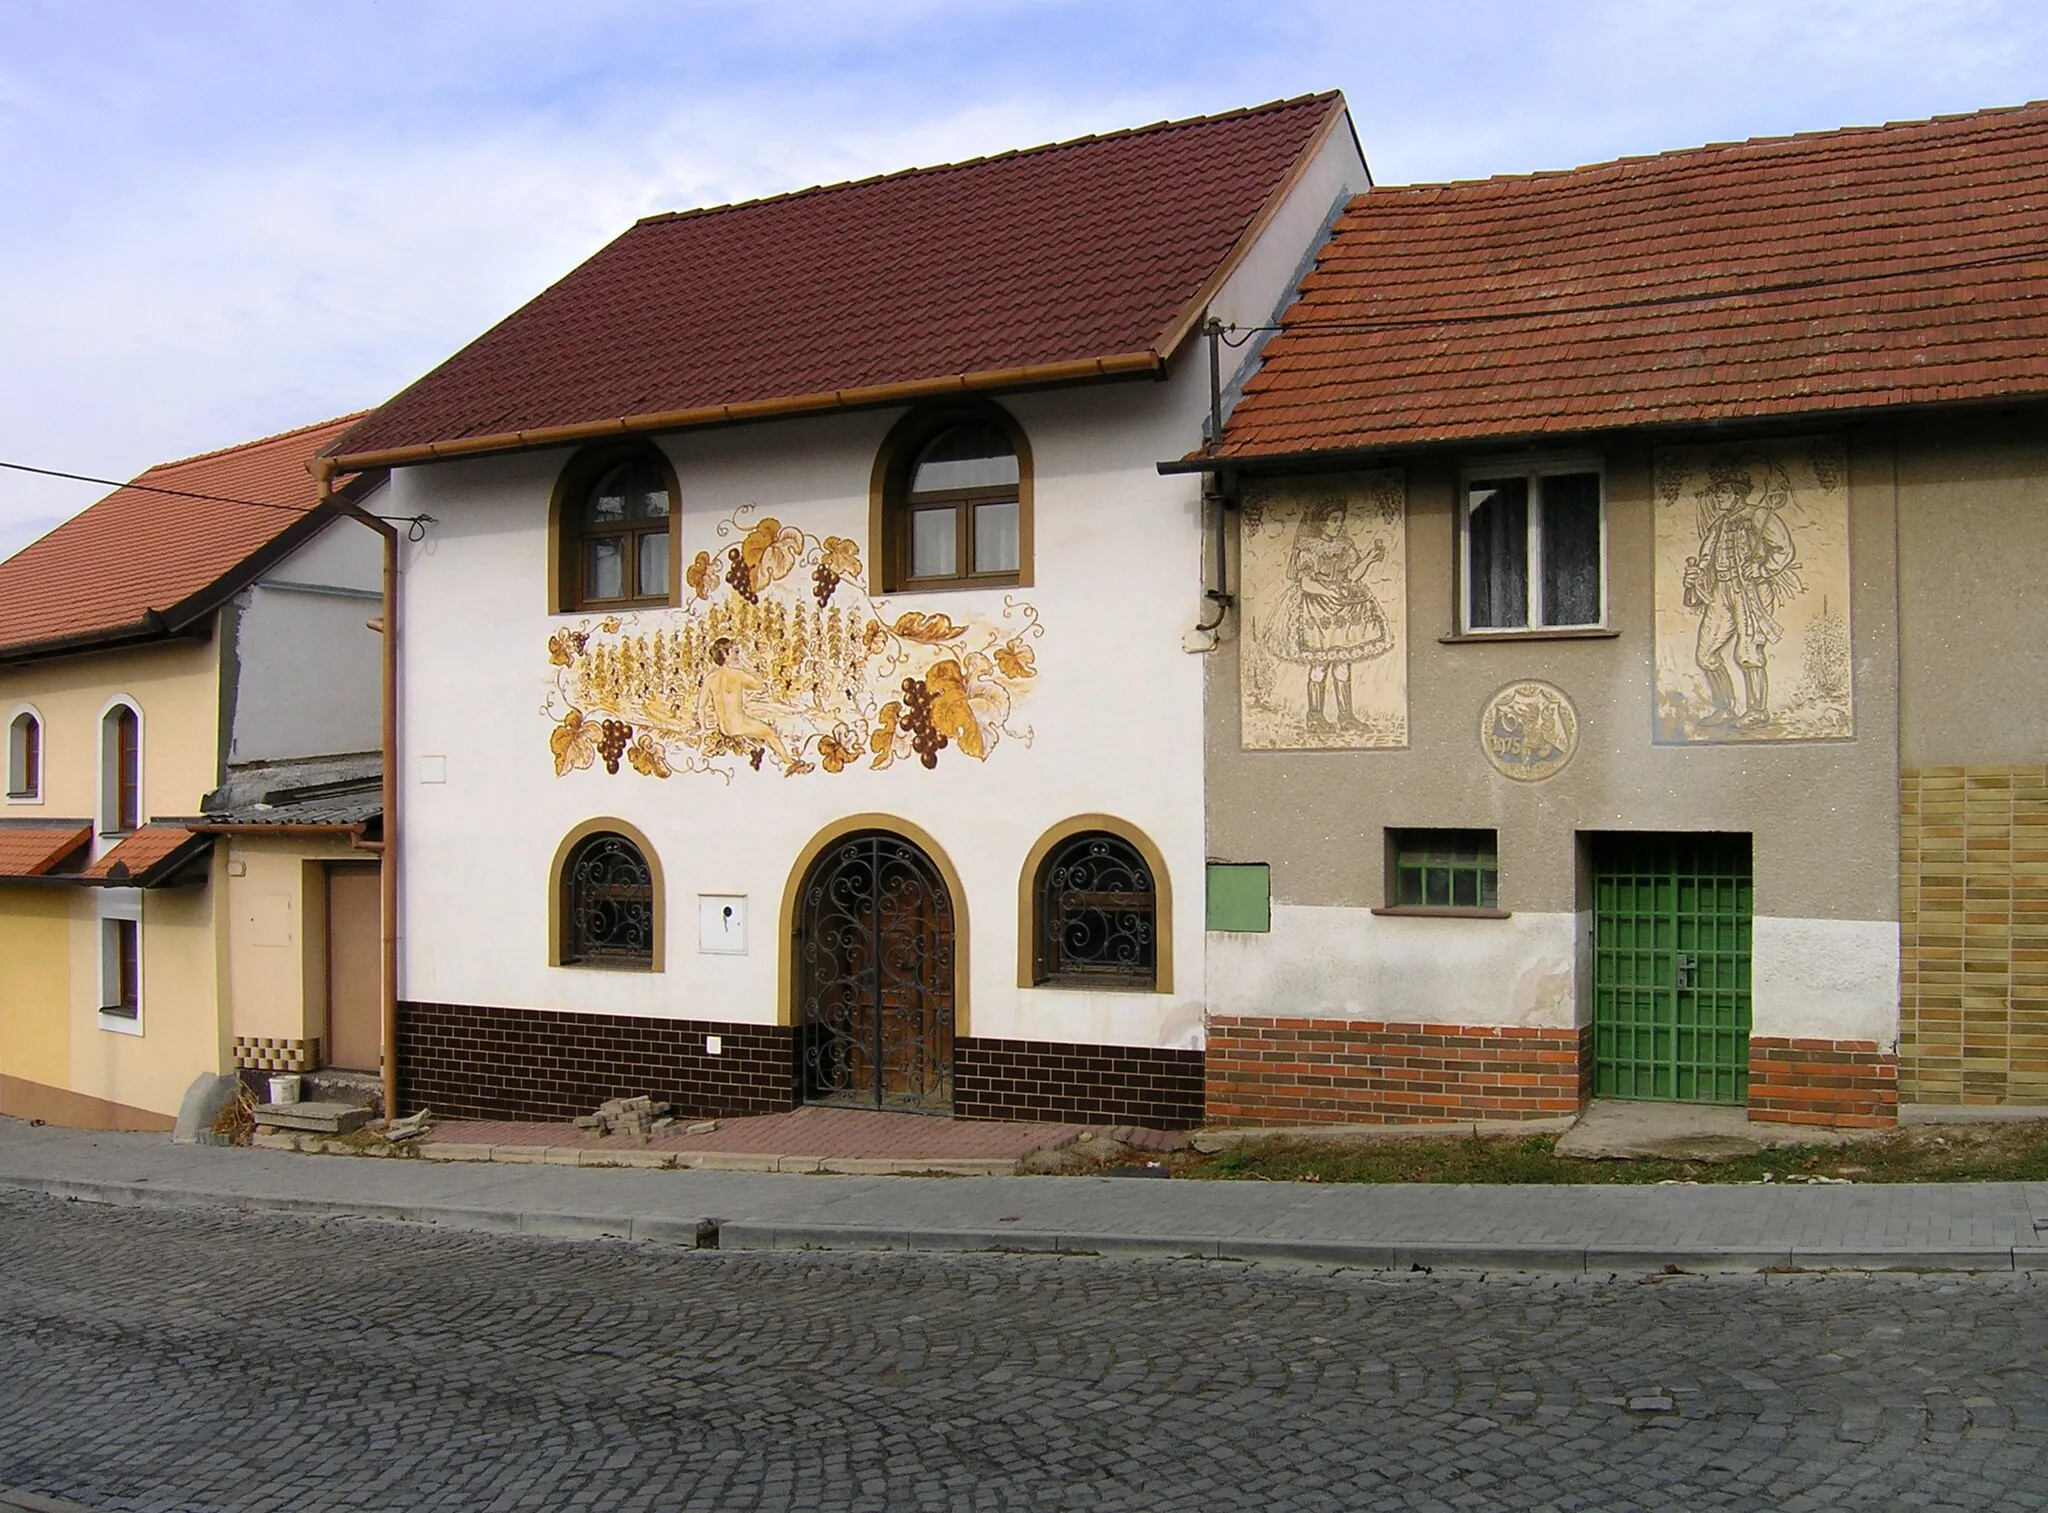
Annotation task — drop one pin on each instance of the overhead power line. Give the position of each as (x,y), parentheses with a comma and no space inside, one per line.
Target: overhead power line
(151,488)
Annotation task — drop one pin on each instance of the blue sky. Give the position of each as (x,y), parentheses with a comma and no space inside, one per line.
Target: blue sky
(224,219)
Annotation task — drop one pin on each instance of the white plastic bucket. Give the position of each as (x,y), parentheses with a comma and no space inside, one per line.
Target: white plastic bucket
(285,1088)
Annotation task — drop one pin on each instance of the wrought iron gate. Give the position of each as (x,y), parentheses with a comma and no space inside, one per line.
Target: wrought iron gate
(1671,967)
(875,977)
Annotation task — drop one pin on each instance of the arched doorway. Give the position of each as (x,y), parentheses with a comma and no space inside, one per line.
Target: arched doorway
(874,1001)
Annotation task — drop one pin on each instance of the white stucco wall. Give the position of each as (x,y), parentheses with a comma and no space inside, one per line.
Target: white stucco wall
(1834,979)
(1336,963)
(305,664)
(1114,713)
(1825,979)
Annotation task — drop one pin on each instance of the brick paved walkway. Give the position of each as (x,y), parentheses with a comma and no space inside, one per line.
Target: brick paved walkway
(812,1131)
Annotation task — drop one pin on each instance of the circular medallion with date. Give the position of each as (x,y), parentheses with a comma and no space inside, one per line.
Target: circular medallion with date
(1529,731)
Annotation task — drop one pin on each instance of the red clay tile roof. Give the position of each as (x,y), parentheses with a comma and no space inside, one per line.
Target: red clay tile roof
(131,861)
(135,552)
(1879,266)
(27,851)
(1062,254)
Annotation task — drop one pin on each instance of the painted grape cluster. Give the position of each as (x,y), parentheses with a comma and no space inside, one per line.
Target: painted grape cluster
(613,736)
(916,718)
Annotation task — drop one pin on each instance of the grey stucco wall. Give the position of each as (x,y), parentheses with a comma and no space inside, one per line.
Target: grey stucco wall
(1824,815)
(306,666)
(1973,554)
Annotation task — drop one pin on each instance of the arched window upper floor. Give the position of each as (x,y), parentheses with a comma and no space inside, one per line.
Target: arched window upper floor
(25,756)
(951,501)
(120,807)
(612,530)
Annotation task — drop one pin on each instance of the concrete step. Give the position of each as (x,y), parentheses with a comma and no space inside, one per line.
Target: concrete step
(314,1118)
(363,1089)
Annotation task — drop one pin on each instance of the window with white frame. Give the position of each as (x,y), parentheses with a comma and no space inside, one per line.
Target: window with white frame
(25,756)
(1533,544)
(121,961)
(120,770)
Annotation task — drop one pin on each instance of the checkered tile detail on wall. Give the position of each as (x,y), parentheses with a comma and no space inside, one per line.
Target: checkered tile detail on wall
(255,1053)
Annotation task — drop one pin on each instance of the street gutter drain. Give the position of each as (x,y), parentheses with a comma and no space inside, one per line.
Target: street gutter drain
(707,1234)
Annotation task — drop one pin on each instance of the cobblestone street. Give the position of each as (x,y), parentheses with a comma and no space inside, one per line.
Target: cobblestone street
(154,1359)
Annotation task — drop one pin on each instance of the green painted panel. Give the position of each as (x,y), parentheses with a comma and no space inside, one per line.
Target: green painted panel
(1671,967)
(1241,896)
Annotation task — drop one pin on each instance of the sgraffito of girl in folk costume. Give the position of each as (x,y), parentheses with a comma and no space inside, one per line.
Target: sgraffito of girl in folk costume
(1329,620)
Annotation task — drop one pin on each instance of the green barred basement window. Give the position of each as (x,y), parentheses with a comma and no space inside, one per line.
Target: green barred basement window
(1446,869)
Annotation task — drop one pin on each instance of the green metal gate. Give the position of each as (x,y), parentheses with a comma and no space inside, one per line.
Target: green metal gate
(1671,944)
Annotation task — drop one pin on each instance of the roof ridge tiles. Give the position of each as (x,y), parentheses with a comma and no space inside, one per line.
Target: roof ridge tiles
(1671,156)
(811,191)
(249,446)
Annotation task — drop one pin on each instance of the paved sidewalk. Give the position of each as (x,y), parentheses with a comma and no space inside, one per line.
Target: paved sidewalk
(1952,1227)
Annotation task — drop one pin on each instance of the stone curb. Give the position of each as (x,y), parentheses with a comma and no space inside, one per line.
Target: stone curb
(741,1234)
(649,1160)
(720,1161)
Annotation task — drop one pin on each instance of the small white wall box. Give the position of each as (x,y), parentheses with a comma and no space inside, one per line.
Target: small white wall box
(433,769)
(722,923)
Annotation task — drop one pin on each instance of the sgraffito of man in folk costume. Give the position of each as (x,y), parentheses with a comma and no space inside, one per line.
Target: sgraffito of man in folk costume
(1745,567)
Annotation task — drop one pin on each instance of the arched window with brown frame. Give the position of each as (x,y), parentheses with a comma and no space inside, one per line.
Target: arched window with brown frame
(614,518)
(608,904)
(120,770)
(954,502)
(25,756)
(1097,907)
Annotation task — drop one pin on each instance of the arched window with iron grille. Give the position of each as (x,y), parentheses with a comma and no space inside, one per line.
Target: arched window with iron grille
(607,904)
(1097,914)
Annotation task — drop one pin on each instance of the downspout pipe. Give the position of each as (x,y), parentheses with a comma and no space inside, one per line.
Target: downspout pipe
(1219,496)
(387,851)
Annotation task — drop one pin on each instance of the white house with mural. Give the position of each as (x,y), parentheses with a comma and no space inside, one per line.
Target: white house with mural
(802,697)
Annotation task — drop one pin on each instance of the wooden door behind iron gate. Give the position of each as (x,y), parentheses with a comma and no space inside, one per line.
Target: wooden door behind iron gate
(874,947)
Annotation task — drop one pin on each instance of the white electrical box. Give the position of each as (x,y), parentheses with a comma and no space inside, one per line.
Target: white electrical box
(722,923)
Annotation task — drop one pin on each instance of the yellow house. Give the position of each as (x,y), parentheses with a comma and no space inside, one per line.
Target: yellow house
(189,684)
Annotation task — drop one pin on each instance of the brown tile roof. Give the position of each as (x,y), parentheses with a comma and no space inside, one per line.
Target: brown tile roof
(31,851)
(1066,254)
(106,569)
(146,856)
(1879,266)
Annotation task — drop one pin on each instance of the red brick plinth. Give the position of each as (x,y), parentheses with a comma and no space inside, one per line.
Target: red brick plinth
(1845,1083)
(1322,1071)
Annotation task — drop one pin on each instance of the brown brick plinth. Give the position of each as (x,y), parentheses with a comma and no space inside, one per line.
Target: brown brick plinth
(1321,1071)
(1844,1083)
(470,1062)
(1076,1084)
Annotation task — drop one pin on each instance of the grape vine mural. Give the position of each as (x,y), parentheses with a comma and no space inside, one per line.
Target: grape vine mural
(779,660)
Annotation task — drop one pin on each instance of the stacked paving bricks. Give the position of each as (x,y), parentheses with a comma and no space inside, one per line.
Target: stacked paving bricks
(628,1116)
